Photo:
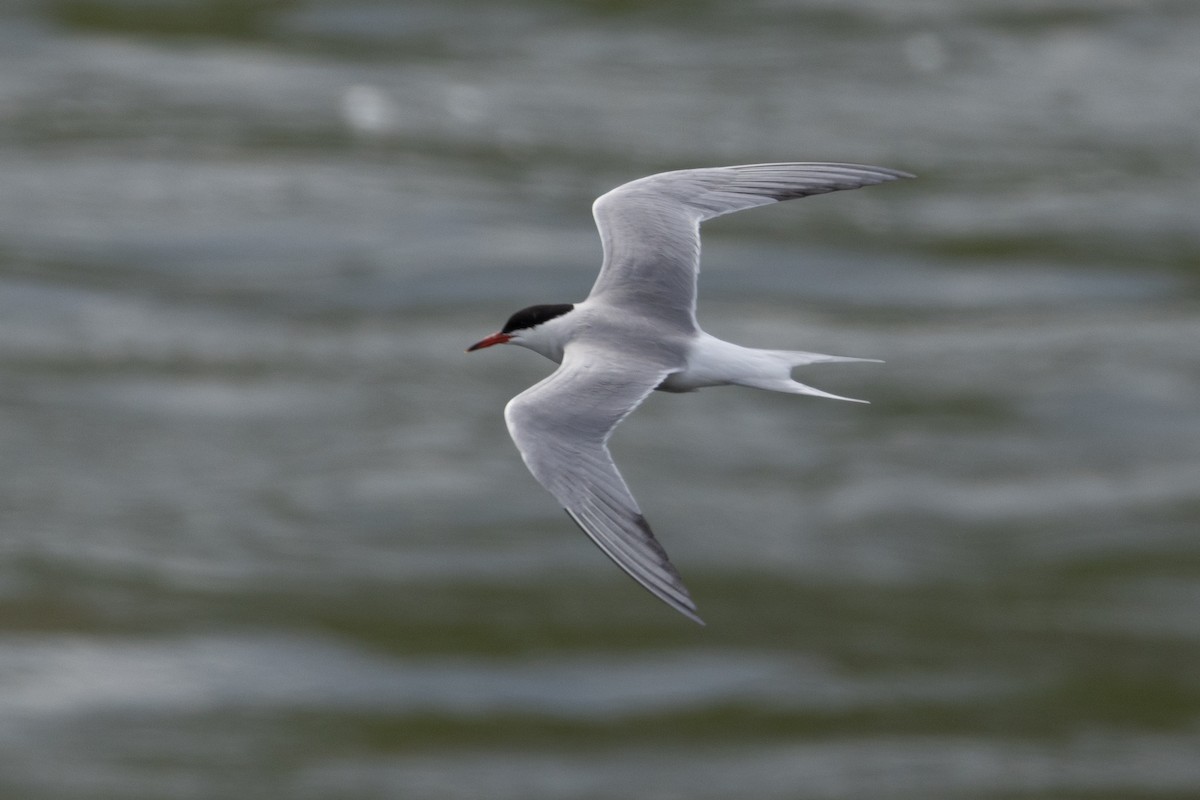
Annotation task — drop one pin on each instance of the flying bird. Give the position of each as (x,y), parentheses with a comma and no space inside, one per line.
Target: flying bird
(636,332)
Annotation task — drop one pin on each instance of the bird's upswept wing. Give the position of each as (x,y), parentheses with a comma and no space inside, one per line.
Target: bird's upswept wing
(650,227)
(561,427)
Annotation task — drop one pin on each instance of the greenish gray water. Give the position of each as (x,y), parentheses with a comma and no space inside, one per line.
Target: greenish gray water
(262,531)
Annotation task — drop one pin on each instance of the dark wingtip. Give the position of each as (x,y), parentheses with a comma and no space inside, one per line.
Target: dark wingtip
(686,605)
(681,600)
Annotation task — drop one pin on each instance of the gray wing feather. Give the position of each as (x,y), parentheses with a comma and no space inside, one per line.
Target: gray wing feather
(650,228)
(561,427)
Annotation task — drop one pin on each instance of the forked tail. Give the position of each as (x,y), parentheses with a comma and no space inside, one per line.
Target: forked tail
(788,360)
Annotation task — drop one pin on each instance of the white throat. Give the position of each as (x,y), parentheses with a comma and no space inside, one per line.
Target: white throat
(549,338)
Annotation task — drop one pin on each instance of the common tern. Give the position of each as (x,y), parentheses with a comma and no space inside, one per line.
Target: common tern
(636,332)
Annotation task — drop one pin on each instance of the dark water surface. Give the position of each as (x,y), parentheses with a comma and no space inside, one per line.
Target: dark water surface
(262,531)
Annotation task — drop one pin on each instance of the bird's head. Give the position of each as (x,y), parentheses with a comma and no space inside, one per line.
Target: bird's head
(528,328)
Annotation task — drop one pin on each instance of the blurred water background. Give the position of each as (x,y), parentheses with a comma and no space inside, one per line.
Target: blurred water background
(262,531)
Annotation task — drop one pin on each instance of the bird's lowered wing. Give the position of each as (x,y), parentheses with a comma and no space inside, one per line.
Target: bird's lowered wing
(650,228)
(561,427)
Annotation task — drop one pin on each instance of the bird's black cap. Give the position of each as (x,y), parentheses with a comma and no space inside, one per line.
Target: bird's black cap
(535,315)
